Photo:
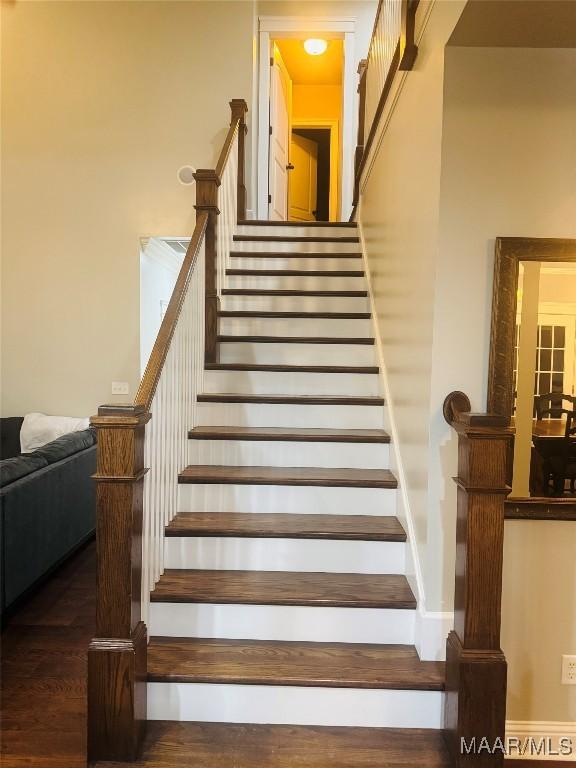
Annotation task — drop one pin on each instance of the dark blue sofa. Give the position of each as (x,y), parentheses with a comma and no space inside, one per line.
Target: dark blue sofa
(47,506)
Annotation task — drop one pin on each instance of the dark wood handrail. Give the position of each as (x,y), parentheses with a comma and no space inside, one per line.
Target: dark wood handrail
(475,664)
(403,59)
(117,655)
(151,377)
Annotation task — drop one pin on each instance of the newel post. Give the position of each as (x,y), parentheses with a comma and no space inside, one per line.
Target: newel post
(207,184)
(475,665)
(117,654)
(239,109)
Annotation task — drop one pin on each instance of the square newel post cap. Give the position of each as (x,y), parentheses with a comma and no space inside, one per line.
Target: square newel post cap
(239,109)
(207,183)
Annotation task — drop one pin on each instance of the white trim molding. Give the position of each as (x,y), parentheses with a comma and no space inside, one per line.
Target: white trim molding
(541,740)
(430,633)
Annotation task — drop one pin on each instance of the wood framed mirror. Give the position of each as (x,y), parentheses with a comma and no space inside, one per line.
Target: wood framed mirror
(521,267)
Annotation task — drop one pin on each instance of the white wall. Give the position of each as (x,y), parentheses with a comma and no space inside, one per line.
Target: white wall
(101,104)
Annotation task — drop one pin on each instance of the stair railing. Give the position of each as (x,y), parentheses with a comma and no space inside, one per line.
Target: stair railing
(392,48)
(475,710)
(141,450)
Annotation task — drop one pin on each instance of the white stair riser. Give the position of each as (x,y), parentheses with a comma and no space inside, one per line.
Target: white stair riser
(299,416)
(292,262)
(286,246)
(296,354)
(297,326)
(282,622)
(297,283)
(307,555)
(296,303)
(291,383)
(275,453)
(294,705)
(277,230)
(291,499)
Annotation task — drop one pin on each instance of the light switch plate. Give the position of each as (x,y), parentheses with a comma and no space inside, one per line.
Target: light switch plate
(120,388)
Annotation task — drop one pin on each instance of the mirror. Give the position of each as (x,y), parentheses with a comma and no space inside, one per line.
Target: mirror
(532,376)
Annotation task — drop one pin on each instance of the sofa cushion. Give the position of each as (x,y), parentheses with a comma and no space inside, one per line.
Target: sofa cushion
(65,446)
(10,436)
(20,466)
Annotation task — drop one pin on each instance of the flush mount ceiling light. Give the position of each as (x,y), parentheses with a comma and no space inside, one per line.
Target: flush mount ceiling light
(315,46)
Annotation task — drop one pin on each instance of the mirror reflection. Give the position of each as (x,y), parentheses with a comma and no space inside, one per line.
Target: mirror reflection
(544,381)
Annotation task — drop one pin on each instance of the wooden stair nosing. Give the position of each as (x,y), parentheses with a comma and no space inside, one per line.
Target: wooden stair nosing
(213,474)
(293,239)
(288,434)
(294,255)
(292,292)
(271,368)
(356,341)
(264,525)
(233,397)
(297,315)
(306,664)
(268,223)
(295,272)
(348,590)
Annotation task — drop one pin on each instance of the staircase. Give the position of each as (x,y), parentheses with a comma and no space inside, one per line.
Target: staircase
(284,598)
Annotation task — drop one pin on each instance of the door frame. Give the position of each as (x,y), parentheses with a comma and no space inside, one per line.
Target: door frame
(334,27)
(332,126)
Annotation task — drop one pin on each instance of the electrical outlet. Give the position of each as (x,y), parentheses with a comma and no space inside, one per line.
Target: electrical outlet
(568,670)
(120,388)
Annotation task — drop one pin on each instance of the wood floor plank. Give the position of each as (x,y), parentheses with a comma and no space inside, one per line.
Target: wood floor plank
(222,745)
(312,476)
(279,526)
(352,590)
(232,397)
(271,434)
(261,662)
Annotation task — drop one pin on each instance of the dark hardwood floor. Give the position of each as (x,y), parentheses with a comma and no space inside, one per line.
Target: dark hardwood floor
(43,660)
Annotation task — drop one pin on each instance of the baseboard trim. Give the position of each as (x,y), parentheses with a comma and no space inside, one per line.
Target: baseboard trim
(431,631)
(547,736)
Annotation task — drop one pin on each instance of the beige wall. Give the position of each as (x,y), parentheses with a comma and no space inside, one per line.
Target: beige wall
(399,219)
(101,104)
(508,168)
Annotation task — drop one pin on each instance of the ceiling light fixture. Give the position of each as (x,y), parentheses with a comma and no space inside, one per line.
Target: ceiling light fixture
(315,46)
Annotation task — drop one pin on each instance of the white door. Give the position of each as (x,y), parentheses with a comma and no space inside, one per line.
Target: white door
(279,142)
(303,179)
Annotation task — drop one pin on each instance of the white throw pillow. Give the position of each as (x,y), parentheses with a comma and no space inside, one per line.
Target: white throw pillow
(39,429)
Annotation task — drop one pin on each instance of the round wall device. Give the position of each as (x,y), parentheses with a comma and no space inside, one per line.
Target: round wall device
(186,174)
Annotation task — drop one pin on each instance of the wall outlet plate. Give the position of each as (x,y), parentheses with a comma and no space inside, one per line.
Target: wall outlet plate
(120,388)
(568,670)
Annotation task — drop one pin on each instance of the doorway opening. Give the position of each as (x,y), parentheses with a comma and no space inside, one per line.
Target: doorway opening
(309,188)
(305,117)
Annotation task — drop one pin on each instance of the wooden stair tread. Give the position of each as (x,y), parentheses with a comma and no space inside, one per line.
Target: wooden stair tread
(289,434)
(297,315)
(293,255)
(171,744)
(291,292)
(365,341)
(294,239)
(233,397)
(268,223)
(345,590)
(278,526)
(363,369)
(260,662)
(296,272)
(309,476)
